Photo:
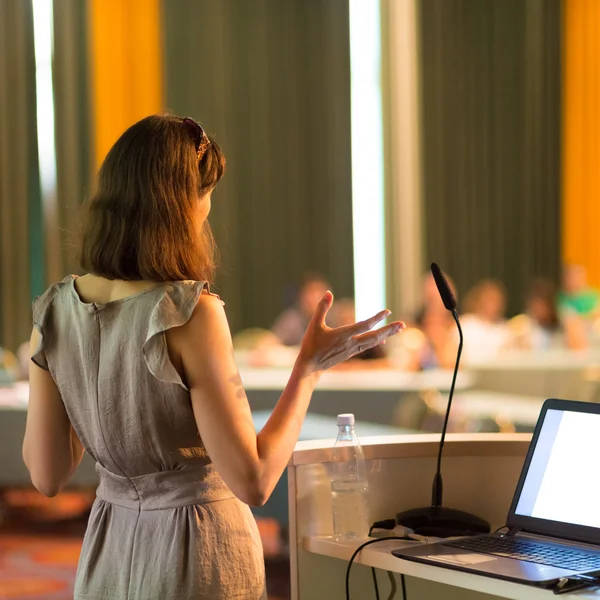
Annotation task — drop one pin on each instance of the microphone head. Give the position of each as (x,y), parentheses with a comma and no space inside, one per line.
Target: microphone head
(443,288)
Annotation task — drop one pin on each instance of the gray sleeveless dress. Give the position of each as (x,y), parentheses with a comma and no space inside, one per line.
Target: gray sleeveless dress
(164,525)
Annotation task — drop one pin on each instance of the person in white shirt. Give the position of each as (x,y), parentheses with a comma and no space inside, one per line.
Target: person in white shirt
(485,329)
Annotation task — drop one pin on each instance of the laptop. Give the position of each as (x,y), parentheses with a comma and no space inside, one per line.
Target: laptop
(553,526)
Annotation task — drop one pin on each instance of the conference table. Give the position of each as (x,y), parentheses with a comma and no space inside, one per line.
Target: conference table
(371,395)
(511,389)
(552,373)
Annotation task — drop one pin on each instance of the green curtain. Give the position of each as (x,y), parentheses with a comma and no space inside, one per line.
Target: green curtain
(491,139)
(271,80)
(21,235)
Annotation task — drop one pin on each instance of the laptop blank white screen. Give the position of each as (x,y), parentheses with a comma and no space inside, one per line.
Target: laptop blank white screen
(563,480)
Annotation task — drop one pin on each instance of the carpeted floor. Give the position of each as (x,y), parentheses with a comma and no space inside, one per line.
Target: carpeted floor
(33,567)
(40,543)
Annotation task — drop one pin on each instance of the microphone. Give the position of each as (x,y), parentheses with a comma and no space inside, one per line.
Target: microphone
(435,520)
(449,304)
(443,288)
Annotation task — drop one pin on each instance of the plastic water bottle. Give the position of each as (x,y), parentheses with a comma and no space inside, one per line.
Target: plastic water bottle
(349,483)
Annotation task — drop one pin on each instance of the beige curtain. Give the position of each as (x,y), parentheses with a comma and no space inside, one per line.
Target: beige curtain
(20,211)
(73,140)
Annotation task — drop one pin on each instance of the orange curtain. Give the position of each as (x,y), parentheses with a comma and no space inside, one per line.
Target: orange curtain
(581,135)
(126,66)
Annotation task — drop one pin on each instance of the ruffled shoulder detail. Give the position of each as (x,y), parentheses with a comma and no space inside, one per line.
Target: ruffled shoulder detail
(174,308)
(42,305)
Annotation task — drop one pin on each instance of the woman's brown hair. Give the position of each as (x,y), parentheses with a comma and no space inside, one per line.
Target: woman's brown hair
(141,221)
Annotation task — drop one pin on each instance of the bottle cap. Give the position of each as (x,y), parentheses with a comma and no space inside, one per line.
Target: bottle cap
(345,419)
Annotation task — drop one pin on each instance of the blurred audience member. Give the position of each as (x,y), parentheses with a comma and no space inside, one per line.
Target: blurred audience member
(577,297)
(440,338)
(9,367)
(257,347)
(292,323)
(484,326)
(538,328)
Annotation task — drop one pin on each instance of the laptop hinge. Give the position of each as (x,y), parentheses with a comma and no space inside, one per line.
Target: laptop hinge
(512,531)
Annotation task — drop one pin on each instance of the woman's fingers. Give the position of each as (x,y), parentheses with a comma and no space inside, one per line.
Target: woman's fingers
(368,324)
(373,338)
(323,308)
(323,347)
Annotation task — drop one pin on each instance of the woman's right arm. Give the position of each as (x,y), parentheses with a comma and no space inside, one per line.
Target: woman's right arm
(250,463)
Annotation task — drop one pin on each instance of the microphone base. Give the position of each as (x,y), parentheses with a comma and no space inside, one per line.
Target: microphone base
(438,521)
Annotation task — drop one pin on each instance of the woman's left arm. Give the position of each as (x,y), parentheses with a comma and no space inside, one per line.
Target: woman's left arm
(51,449)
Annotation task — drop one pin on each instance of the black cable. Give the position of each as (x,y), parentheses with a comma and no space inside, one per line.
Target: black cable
(374,574)
(384,539)
(385,524)
(393,586)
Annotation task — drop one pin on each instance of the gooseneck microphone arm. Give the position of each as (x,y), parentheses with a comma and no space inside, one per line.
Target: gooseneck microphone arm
(435,519)
(438,485)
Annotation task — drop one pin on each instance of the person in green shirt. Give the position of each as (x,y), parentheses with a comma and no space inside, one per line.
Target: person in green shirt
(577,297)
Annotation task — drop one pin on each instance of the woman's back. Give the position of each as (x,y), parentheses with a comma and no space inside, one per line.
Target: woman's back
(132,411)
(125,400)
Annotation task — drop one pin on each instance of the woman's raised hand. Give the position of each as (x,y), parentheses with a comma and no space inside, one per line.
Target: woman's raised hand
(323,347)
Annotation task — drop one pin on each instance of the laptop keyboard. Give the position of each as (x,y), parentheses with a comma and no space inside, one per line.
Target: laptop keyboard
(574,559)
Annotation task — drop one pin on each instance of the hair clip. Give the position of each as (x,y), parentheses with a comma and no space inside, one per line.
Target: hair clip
(201,140)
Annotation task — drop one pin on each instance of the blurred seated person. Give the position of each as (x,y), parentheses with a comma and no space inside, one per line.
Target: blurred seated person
(292,322)
(579,306)
(485,330)
(577,297)
(538,328)
(256,347)
(9,367)
(342,314)
(440,338)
